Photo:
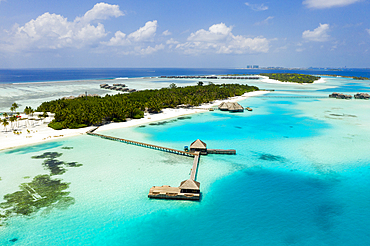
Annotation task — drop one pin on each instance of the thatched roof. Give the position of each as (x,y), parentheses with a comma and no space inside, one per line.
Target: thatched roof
(235,107)
(190,184)
(231,106)
(223,106)
(198,144)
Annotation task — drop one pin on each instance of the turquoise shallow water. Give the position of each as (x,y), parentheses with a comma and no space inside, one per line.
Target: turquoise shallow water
(300,177)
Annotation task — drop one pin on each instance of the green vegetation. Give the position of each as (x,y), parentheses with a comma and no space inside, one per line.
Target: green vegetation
(361,78)
(81,112)
(55,166)
(291,77)
(41,192)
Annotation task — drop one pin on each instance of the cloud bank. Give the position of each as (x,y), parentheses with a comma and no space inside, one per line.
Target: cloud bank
(53,31)
(322,4)
(317,35)
(257,7)
(219,39)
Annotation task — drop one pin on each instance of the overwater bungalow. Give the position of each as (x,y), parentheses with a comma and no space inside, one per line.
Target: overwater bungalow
(231,106)
(200,146)
(340,96)
(362,96)
(188,190)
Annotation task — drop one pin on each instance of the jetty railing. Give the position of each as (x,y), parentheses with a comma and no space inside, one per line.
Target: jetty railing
(145,145)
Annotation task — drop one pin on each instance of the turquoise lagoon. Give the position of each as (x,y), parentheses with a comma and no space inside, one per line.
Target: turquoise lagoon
(300,177)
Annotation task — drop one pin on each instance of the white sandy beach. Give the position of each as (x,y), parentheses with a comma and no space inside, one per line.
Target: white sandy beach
(40,132)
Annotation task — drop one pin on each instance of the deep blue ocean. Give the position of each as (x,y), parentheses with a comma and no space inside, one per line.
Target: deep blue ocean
(42,75)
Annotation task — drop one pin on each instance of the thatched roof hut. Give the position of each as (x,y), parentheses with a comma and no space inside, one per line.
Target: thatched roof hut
(223,106)
(231,106)
(190,186)
(236,107)
(198,145)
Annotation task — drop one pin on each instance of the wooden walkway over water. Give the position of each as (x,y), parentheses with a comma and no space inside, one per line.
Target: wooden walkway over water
(145,145)
(194,170)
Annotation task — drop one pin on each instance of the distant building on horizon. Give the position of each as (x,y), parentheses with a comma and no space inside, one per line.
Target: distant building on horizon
(253,66)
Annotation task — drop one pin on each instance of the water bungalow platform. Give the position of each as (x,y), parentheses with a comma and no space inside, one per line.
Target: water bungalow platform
(189,189)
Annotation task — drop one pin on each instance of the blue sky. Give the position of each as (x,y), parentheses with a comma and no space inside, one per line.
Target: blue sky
(192,33)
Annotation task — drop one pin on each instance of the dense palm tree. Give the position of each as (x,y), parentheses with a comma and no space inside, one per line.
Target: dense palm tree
(18,118)
(15,106)
(27,112)
(5,123)
(12,119)
(79,112)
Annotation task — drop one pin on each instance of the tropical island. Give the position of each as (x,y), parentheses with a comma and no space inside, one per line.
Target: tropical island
(86,111)
(291,77)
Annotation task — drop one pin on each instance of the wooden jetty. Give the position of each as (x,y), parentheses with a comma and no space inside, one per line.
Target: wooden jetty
(194,170)
(222,151)
(189,189)
(151,146)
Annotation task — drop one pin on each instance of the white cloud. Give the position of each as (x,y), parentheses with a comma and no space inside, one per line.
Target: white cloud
(145,33)
(318,35)
(100,11)
(265,21)
(322,4)
(118,39)
(149,50)
(136,42)
(52,31)
(368,31)
(219,39)
(166,33)
(257,7)
(171,41)
(216,32)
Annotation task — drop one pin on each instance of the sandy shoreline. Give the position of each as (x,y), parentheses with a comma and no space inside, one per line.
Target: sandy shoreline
(41,133)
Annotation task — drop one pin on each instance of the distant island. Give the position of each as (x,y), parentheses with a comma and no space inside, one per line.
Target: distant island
(349,77)
(291,77)
(86,111)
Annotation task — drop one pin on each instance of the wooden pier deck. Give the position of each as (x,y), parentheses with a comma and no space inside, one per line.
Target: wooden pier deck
(188,189)
(222,151)
(145,145)
(194,170)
